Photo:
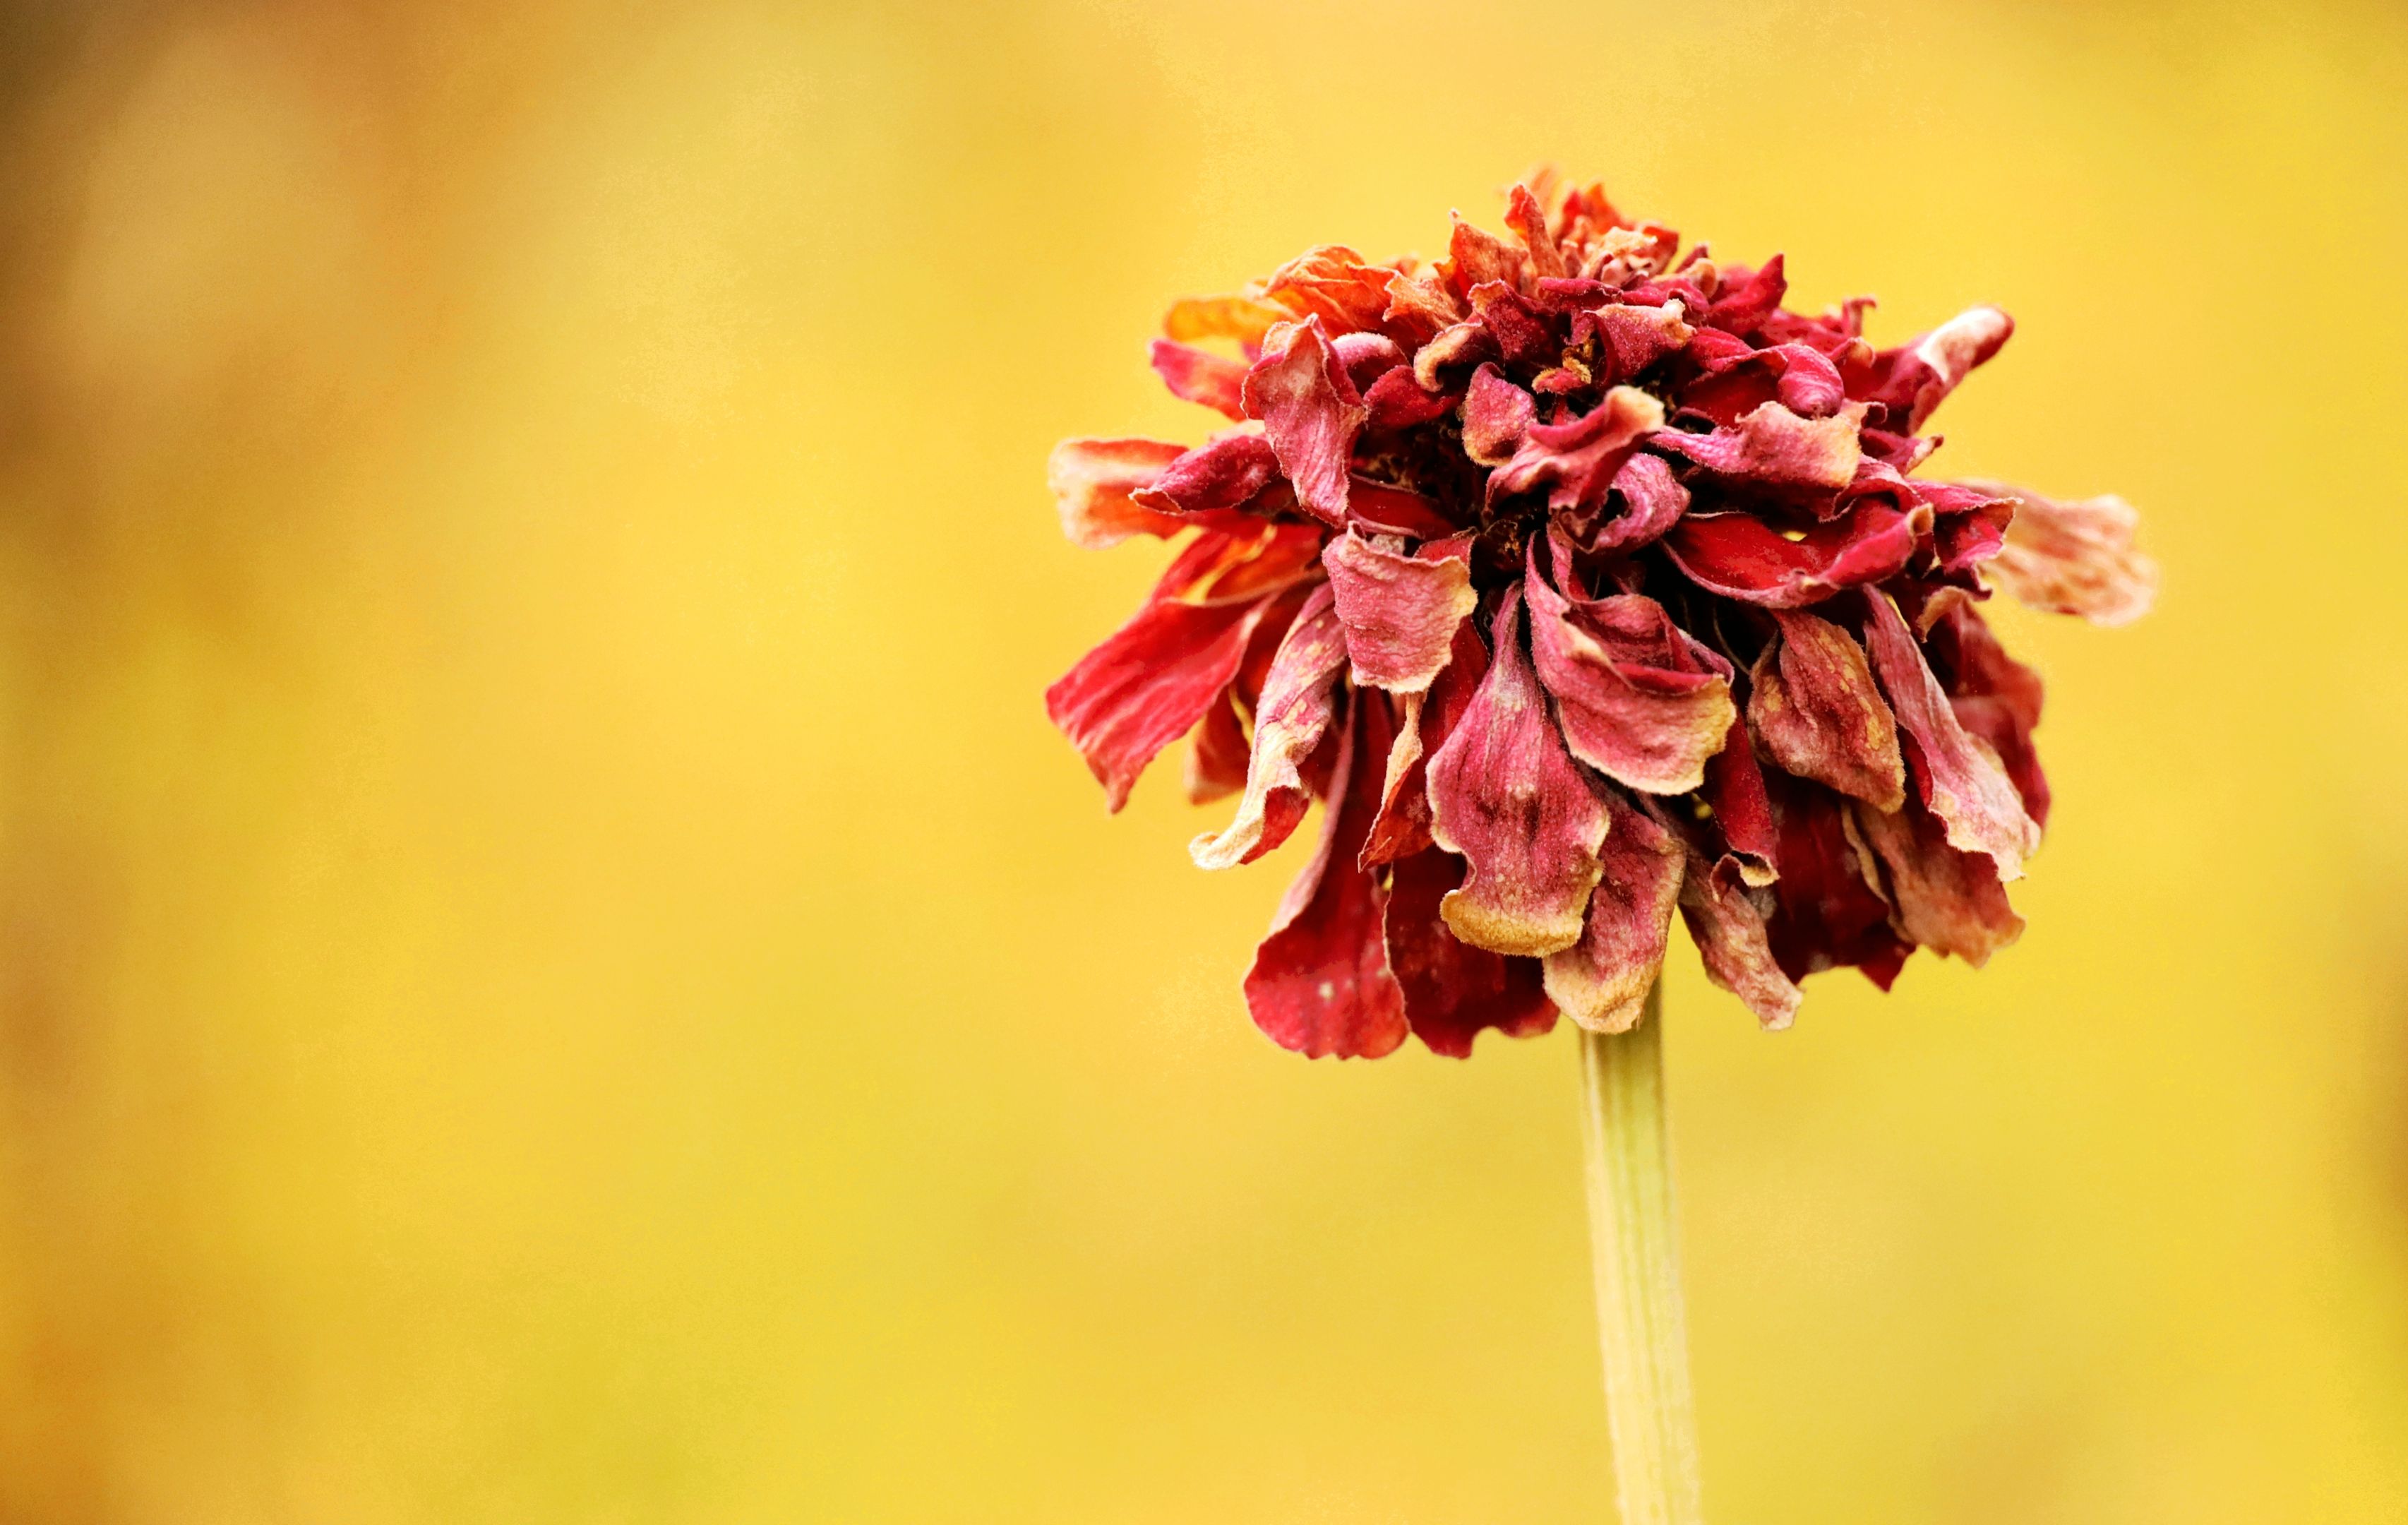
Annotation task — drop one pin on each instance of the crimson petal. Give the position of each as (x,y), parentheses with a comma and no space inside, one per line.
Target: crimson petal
(1454,990)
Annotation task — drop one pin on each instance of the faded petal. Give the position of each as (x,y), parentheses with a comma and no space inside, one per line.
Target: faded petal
(1995,697)
(1332,282)
(1311,413)
(1507,797)
(1949,353)
(1320,982)
(1195,375)
(1148,685)
(1776,448)
(1641,701)
(1602,980)
(1093,480)
(1729,929)
(1949,902)
(1399,612)
(1814,706)
(1652,503)
(1495,415)
(2074,559)
(1957,777)
(1829,910)
(1741,556)
(1227,473)
(1299,699)
(1454,990)
(1216,754)
(1403,828)
(1240,318)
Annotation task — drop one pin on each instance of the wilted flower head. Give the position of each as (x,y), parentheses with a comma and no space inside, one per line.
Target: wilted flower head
(1583,581)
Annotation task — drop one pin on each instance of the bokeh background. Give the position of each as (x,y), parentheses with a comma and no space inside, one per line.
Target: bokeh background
(550,969)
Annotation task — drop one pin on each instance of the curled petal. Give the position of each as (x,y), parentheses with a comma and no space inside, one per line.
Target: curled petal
(1476,258)
(1465,343)
(1216,756)
(1397,401)
(1418,307)
(1774,447)
(1995,697)
(1578,460)
(1379,508)
(1298,701)
(1632,337)
(1495,415)
(1639,701)
(1949,902)
(1403,828)
(1741,556)
(1958,778)
(1227,473)
(1311,413)
(1521,331)
(1454,990)
(1333,283)
(1949,353)
(2074,559)
(1748,297)
(1094,482)
(1148,685)
(1320,984)
(1652,503)
(1240,318)
(1813,705)
(1742,810)
(1195,375)
(1528,220)
(1507,797)
(1399,612)
(1729,929)
(1602,980)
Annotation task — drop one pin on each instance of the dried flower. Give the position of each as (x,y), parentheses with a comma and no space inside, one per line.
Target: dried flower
(1582,581)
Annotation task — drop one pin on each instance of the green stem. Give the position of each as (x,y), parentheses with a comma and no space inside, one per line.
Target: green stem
(1635,1245)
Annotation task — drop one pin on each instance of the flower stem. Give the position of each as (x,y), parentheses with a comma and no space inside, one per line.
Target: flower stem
(1634,1242)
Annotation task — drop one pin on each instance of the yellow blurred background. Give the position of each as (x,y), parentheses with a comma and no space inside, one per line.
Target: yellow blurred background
(551,968)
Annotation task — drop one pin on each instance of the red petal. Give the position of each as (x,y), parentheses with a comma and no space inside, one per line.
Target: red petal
(1995,697)
(1652,503)
(1311,413)
(1507,797)
(1528,219)
(1814,706)
(1320,984)
(1741,556)
(1734,791)
(1148,685)
(1632,337)
(1196,375)
(1397,401)
(1400,611)
(1093,480)
(1454,990)
(1641,701)
(1960,780)
(1949,902)
(1216,756)
(1579,457)
(1476,258)
(1403,826)
(1748,297)
(1602,980)
(1831,911)
(1299,698)
(2074,559)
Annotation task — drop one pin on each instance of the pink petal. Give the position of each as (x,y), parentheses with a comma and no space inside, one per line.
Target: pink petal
(1814,706)
(1093,482)
(1495,415)
(1507,797)
(1298,701)
(1741,556)
(2074,559)
(1311,413)
(1224,473)
(1639,700)
(1748,297)
(1397,401)
(1959,779)
(1464,344)
(1400,611)
(1453,990)
(1632,337)
(1947,900)
(1320,984)
(1602,980)
(1949,353)
(1195,375)
(1652,503)
(1774,447)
